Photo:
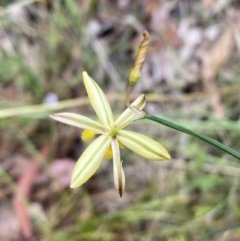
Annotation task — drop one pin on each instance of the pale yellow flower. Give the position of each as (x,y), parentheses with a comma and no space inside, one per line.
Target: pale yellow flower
(111,133)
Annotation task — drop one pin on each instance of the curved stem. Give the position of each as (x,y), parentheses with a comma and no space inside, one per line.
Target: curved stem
(195,134)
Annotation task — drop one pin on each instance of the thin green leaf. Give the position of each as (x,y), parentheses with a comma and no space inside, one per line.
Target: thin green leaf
(195,134)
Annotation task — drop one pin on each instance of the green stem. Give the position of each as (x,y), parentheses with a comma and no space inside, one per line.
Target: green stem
(193,133)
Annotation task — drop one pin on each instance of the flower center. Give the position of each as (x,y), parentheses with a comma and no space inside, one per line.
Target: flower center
(113,131)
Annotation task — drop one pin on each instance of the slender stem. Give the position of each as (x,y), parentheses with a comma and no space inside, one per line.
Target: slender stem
(193,133)
(129,89)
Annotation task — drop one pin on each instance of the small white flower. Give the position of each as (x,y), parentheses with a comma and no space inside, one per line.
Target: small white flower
(111,135)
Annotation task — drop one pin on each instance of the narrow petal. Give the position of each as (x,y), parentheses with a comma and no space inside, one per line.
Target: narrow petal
(118,173)
(98,100)
(80,121)
(124,119)
(143,145)
(89,161)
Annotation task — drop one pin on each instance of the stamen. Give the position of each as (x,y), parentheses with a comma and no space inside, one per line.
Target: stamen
(87,135)
(108,155)
(121,146)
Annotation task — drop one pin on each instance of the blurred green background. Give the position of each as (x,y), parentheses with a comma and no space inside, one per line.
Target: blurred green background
(190,76)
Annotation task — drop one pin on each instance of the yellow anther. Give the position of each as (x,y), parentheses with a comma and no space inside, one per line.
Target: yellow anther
(108,155)
(121,146)
(87,135)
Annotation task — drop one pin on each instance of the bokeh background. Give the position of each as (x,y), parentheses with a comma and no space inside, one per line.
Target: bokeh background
(190,76)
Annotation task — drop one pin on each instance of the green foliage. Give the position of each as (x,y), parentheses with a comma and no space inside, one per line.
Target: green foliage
(207,182)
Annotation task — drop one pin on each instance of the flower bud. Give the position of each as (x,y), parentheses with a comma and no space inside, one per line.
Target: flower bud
(134,75)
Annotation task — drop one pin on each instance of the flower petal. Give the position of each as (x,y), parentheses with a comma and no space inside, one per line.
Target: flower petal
(80,121)
(143,145)
(89,161)
(118,173)
(124,119)
(98,100)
